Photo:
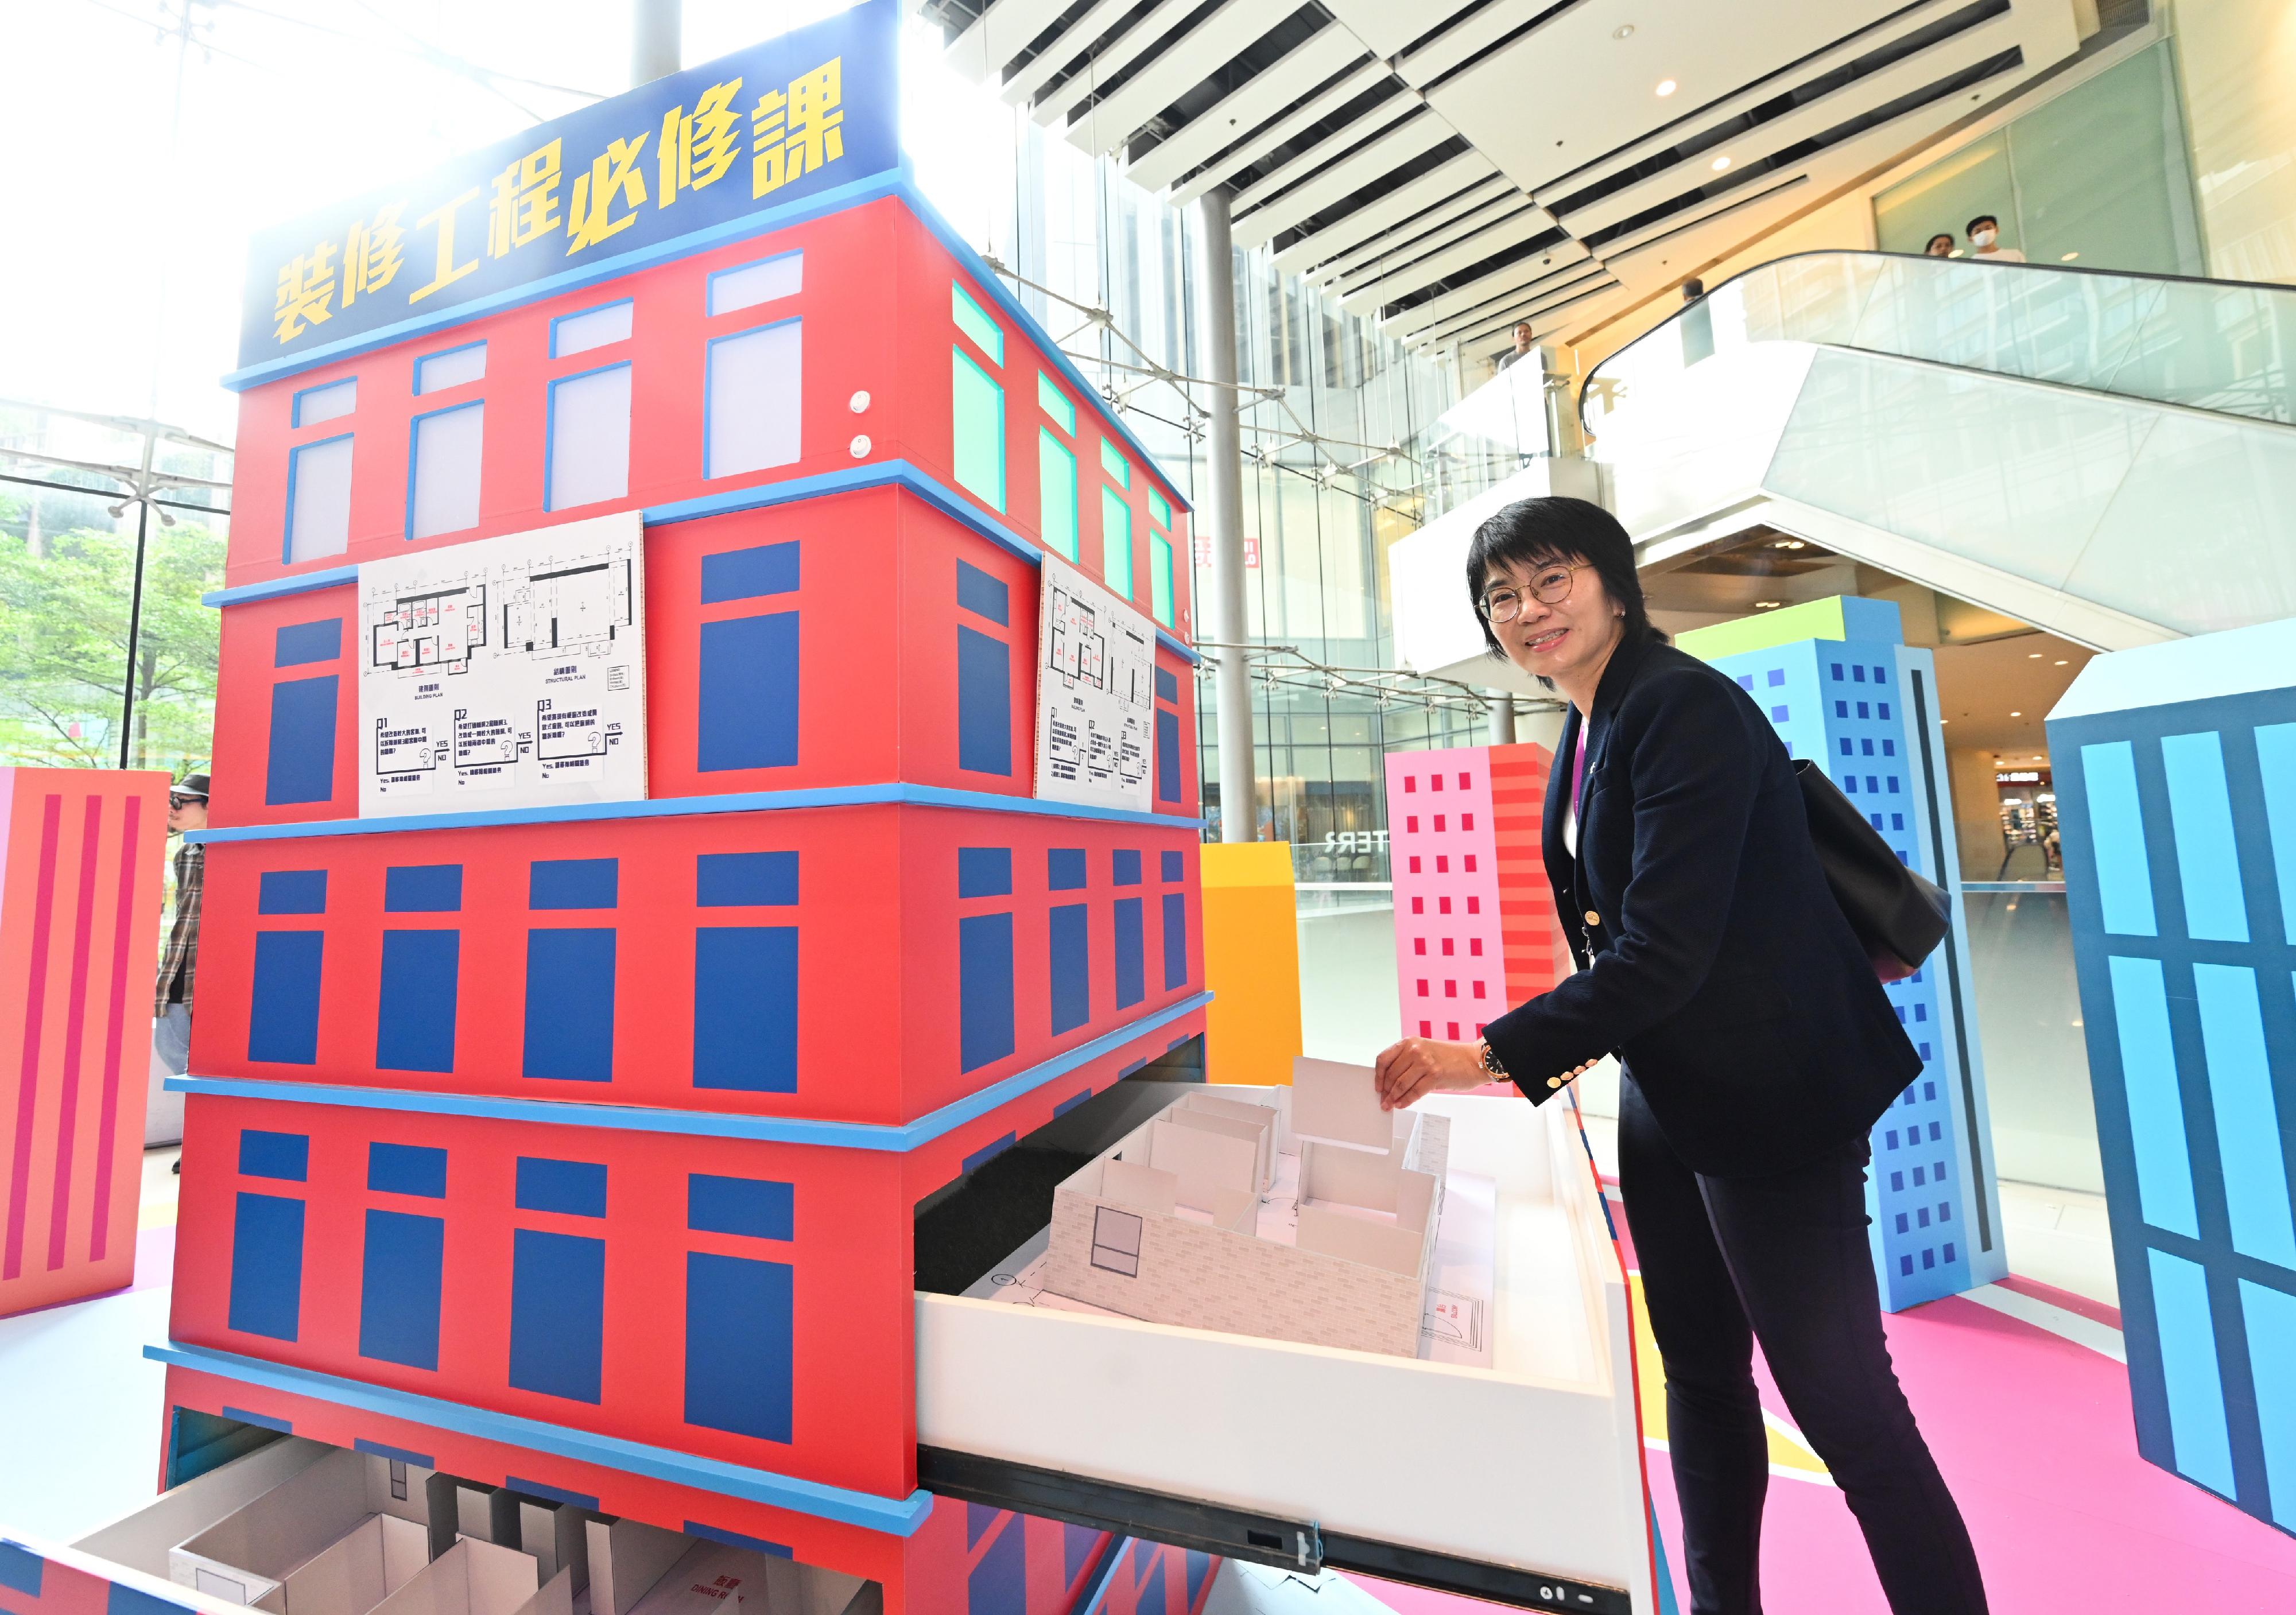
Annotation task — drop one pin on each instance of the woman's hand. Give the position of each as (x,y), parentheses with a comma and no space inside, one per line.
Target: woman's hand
(1417,1067)
(1409,1071)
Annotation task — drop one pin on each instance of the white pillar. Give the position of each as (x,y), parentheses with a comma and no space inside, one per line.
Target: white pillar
(657,47)
(1223,519)
(1499,719)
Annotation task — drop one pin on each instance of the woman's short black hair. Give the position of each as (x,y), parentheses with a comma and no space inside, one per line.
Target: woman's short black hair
(1535,532)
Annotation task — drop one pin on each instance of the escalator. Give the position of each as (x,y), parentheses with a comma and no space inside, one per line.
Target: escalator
(2108,457)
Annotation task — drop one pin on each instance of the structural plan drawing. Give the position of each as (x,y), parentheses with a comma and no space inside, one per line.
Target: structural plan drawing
(505,672)
(1095,693)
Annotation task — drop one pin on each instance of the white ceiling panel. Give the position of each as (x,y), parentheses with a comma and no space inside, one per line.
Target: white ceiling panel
(1374,289)
(1350,174)
(1066,47)
(1516,277)
(1567,92)
(1938,61)
(1387,26)
(1263,140)
(1685,117)
(1373,219)
(1548,313)
(1220,36)
(1325,151)
(1553,100)
(1398,252)
(1236,115)
(1425,230)
(1553,293)
(1107,58)
(985,50)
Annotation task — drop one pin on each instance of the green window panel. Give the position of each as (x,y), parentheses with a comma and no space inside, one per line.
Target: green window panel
(1159,510)
(975,323)
(1116,541)
(977,405)
(1160,577)
(1055,403)
(1056,477)
(1115,464)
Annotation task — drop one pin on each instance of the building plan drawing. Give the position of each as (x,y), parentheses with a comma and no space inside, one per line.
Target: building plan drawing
(1095,693)
(505,672)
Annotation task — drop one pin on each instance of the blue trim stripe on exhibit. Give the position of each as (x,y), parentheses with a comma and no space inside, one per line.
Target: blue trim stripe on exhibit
(898,182)
(895,1516)
(638,1118)
(884,473)
(677,806)
(2179,829)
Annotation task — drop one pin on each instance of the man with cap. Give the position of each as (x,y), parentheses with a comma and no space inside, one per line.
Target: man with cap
(171,1009)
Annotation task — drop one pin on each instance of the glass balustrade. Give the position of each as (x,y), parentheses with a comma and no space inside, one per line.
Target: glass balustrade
(2224,346)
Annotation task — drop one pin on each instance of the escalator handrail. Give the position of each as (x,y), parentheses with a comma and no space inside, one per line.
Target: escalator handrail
(1769,265)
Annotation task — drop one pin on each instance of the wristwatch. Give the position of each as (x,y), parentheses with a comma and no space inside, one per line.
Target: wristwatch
(1490,1061)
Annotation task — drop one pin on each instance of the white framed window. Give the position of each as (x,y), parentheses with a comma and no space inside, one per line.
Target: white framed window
(442,475)
(746,285)
(573,333)
(453,367)
(319,499)
(589,453)
(331,402)
(755,393)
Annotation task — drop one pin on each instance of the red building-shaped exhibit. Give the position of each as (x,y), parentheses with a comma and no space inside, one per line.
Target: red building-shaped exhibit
(570,1139)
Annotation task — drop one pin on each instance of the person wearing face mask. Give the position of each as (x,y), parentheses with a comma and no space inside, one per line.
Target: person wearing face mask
(1756,1050)
(1984,242)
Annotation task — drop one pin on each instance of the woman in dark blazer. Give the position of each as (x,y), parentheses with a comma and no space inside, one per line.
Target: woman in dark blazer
(1756,1051)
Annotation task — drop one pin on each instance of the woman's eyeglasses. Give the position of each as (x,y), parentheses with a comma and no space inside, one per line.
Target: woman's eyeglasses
(1551,587)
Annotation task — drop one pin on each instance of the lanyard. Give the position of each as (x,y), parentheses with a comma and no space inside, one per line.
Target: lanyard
(1577,771)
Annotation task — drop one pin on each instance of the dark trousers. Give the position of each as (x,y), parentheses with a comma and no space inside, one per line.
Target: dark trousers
(1783,1259)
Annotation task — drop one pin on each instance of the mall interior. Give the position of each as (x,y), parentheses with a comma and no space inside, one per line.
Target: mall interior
(1035,1259)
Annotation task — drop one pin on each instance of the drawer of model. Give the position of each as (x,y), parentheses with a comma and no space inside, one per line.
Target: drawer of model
(1408,1331)
(295,1527)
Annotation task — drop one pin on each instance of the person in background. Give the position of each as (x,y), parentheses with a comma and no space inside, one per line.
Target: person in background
(1697,323)
(1984,242)
(171,1007)
(1521,346)
(1940,245)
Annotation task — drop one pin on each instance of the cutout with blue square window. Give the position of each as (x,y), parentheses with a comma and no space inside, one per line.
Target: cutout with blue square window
(745,879)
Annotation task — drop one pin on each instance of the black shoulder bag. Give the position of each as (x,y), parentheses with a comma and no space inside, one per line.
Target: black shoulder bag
(1898,916)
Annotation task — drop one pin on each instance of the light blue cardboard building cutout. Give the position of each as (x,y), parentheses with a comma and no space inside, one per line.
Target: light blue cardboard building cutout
(1841,688)
(2175,776)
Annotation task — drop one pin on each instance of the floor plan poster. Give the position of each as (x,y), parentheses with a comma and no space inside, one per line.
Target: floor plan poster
(505,672)
(1095,693)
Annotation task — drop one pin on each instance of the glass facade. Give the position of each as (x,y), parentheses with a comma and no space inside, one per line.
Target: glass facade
(2096,176)
(1339,431)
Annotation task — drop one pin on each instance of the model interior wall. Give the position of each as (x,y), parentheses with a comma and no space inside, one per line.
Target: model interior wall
(958,1558)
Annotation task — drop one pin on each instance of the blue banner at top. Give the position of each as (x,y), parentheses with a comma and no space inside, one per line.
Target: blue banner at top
(809,111)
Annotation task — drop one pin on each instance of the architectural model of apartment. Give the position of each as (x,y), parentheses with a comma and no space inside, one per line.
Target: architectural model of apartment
(1302,1214)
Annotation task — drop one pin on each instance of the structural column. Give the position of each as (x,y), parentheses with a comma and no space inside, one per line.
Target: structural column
(1224,516)
(657,29)
(1499,719)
